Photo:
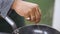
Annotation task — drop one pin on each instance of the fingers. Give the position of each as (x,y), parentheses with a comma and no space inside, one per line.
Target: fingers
(32,15)
(38,15)
(27,16)
(35,15)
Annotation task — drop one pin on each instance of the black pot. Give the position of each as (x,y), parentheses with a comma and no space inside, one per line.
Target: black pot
(36,29)
(31,29)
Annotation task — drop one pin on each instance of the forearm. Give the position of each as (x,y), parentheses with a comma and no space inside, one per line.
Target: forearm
(5,5)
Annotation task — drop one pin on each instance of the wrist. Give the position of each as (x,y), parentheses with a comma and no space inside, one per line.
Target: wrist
(13,5)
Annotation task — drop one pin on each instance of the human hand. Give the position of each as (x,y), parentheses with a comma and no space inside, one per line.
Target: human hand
(29,11)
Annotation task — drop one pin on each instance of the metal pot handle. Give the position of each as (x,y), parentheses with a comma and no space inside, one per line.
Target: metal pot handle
(11,22)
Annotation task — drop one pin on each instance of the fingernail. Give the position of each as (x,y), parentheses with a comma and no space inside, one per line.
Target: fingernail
(28,18)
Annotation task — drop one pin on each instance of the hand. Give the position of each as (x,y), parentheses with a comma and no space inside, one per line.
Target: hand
(27,10)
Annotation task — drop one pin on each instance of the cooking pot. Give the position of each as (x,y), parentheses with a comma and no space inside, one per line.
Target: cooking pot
(31,29)
(36,29)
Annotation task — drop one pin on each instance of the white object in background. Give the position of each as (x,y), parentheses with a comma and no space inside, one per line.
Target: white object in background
(56,15)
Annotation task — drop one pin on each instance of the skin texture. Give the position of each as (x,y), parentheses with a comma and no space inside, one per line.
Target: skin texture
(27,10)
